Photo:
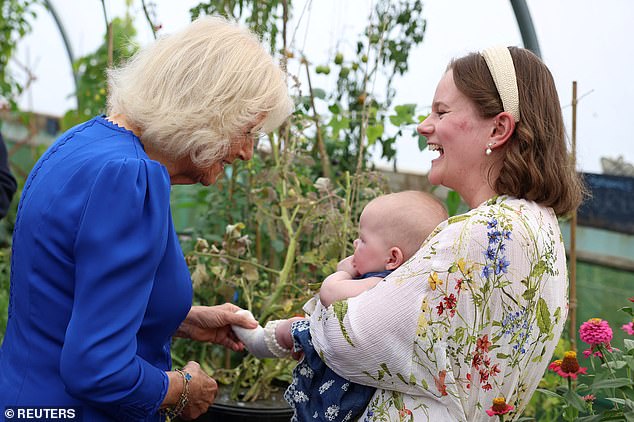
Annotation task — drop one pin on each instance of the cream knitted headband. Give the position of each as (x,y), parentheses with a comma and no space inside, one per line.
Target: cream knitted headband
(501,66)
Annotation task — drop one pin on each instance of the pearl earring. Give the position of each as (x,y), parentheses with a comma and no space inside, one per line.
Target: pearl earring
(489,150)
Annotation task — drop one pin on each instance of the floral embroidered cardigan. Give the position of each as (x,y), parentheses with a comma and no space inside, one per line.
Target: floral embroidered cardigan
(475,314)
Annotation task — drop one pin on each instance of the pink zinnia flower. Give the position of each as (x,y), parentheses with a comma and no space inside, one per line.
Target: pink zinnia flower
(589,397)
(629,328)
(499,407)
(597,333)
(568,366)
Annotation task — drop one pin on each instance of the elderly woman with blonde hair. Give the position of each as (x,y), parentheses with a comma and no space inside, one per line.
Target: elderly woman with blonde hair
(99,284)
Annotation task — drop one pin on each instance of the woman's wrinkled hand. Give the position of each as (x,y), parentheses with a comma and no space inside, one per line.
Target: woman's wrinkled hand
(202,392)
(213,324)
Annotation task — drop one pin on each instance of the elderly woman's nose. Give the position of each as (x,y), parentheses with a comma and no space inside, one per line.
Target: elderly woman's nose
(246,152)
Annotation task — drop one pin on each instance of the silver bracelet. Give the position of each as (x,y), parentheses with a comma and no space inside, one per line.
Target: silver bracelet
(271,341)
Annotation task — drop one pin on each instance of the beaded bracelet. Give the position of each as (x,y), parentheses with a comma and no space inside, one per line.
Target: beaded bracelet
(183,399)
(271,342)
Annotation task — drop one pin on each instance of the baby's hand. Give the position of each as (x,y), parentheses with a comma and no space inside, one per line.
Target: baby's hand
(347,266)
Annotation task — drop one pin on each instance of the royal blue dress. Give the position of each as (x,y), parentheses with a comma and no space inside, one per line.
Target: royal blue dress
(98,280)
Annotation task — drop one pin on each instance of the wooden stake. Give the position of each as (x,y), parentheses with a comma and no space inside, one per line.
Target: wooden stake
(573,232)
(110,45)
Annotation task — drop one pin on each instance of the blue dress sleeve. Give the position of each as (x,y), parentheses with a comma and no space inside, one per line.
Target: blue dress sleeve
(120,241)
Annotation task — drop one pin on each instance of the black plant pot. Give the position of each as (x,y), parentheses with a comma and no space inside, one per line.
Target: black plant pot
(275,409)
(246,413)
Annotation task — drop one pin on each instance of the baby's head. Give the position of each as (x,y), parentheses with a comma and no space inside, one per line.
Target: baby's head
(392,228)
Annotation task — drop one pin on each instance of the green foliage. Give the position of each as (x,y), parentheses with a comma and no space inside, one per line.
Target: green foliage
(5,261)
(6,230)
(284,229)
(263,17)
(357,112)
(15,23)
(91,71)
(606,393)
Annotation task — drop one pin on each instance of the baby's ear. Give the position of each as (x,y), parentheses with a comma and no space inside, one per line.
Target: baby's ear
(395,258)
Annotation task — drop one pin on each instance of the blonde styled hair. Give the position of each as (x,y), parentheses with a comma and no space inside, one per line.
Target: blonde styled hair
(406,218)
(190,92)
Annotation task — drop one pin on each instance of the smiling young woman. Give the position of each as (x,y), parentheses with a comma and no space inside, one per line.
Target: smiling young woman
(476,313)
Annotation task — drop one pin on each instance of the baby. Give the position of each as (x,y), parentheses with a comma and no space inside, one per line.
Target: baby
(392,228)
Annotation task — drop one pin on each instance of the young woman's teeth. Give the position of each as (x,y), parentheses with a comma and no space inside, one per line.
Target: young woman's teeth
(434,147)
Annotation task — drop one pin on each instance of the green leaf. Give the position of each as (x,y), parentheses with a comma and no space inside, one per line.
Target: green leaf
(628,310)
(538,269)
(529,294)
(453,202)
(549,393)
(618,364)
(374,132)
(543,316)
(319,93)
(385,368)
(278,245)
(629,344)
(575,400)
(613,414)
(422,142)
(338,123)
(341,308)
(591,418)
(611,383)
(404,115)
(457,219)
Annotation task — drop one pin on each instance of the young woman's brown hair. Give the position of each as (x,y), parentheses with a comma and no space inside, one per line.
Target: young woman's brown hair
(535,163)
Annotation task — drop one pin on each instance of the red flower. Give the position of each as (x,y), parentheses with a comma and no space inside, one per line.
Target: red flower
(483,343)
(450,304)
(499,407)
(477,360)
(440,382)
(459,284)
(568,367)
(589,397)
(404,412)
